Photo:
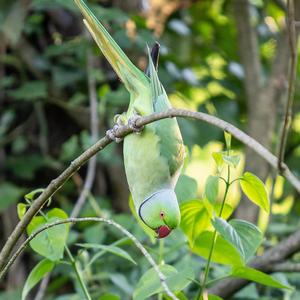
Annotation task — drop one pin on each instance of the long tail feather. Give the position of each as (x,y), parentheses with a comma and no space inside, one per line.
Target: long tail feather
(132,77)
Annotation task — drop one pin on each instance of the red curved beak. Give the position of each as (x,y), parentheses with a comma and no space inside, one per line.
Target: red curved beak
(163,231)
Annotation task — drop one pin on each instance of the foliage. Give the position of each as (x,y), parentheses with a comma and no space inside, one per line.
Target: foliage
(44,124)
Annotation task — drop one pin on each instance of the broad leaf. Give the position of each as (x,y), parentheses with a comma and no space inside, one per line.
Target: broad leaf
(255,190)
(186,188)
(250,235)
(149,284)
(229,234)
(51,242)
(9,194)
(109,248)
(37,273)
(212,188)
(194,219)
(216,208)
(244,236)
(224,253)
(257,276)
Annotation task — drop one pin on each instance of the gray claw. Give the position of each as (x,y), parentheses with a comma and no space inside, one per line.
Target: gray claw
(111,133)
(132,124)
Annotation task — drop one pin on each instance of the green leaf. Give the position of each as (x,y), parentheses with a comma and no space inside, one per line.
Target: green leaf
(9,194)
(244,236)
(217,156)
(37,273)
(227,136)
(255,190)
(257,276)
(229,234)
(224,253)
(214,210)
(21,210)
(109,296)
(186,188)
(250,235)
(194,219)
(212,188)
(149,284)
(112,249)
(232,160)
(51,242)
(33,195)
(212,297)
(31,90)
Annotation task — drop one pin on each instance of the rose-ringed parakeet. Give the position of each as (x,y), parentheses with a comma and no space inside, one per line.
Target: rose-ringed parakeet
(154,157)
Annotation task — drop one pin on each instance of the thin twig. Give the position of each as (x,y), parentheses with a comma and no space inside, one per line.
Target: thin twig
(292,37)
(92,164)
(121,132)
(161,276)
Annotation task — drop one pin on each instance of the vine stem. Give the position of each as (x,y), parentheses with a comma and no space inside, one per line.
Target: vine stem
(138,244)
(206,271)
(78,274)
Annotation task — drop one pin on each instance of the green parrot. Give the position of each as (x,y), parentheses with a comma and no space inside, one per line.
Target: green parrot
(153,158)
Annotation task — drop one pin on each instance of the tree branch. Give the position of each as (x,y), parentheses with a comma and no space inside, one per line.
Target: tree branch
(286,267)
(292,37)
(121,132)
(265,263)
(161,276)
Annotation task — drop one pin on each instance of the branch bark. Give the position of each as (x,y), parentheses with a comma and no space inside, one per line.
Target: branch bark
(121,132)
(292,38)
(260,104)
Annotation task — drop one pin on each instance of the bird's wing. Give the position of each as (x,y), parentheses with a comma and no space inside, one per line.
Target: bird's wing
(171,144)
(132,77)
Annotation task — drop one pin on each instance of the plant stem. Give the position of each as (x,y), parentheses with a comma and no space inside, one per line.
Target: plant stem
(78,274)
(161,261)
(206,271)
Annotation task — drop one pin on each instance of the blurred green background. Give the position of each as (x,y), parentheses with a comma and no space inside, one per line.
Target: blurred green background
(204,66)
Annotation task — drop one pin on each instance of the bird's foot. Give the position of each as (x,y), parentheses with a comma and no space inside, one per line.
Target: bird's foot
(119,119)
(111,134)
(132,124)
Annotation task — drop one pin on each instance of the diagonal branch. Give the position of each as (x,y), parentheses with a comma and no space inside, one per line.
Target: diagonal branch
(138,244)
(121,132)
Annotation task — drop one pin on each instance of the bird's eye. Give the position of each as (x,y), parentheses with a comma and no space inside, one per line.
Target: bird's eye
(162,214)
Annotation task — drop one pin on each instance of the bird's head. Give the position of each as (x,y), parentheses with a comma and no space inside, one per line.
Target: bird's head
(160,212)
